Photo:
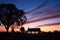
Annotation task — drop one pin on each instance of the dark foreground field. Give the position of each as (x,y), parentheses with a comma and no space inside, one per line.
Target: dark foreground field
(25,36)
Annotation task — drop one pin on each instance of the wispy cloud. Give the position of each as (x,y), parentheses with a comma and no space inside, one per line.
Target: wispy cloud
(47,13)
(52,24)
(47,18)
(40,6)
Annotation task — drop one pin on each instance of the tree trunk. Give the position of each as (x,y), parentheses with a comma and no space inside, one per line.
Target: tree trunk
(7,28)
(12,29)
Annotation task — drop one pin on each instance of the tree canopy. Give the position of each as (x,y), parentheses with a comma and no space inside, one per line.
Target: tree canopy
(10,14)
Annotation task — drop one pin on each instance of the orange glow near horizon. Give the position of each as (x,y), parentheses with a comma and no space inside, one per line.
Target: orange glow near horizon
(38,24)
(50,28)
(43,28)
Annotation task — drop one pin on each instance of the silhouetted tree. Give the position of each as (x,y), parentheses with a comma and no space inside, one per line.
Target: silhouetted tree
(6,11)
(21,19)
(10,14)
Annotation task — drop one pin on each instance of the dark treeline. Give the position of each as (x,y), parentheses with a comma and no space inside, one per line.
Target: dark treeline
(25,36)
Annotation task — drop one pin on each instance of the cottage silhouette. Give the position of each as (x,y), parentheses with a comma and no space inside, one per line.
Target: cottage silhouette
(35,30)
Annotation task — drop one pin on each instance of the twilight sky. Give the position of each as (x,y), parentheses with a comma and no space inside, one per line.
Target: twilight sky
(40,13)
